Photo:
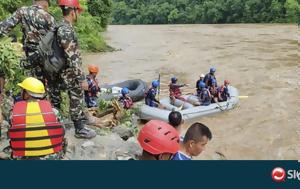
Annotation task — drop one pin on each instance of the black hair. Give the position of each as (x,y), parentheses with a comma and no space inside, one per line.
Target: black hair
(66,10)
(175,119)
(196,132)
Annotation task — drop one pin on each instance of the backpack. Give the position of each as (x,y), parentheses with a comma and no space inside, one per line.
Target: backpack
(52,54)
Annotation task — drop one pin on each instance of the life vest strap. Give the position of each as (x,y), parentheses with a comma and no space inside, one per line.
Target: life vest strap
(32,114)
(38,148)
(37,138)
(37,124)
(34,128)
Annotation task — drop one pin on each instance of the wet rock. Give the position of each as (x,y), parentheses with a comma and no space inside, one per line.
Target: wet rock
(87,144)
(109,147)
(124,132)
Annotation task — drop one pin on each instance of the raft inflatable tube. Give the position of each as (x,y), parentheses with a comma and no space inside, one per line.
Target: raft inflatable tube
(137,89)
(187,109)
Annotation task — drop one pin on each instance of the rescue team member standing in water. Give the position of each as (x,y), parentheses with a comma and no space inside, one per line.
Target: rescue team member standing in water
(36,132)
(125,99)
(35,22)
(71,76)
(93,89)
(194,142)
(175,92)
(209,77)
(150,99)
(158,140)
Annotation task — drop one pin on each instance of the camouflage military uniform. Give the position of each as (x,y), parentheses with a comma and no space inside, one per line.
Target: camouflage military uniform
(71,76)
(35,23)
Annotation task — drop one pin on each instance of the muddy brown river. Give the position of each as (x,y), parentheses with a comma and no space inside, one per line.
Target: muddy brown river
(262,61)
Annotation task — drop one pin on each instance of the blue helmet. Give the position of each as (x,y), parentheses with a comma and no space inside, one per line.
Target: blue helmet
(125,91)
(212,70)
(155,83)
(201,84)
(173,79)
(213,81)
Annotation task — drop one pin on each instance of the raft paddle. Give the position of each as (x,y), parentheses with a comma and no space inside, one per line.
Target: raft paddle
(158,90)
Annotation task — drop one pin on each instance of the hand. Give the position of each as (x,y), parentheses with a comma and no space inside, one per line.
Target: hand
(84,85)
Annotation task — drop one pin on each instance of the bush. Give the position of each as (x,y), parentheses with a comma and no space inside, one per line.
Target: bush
(90,24)
(10,55)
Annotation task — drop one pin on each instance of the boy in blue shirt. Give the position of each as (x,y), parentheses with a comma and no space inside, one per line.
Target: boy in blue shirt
(194,142)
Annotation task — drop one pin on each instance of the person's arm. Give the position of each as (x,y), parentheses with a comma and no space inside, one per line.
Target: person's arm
(209,94)
(67,40)
(220,96)
(152,97)
(206,78)
(7,25)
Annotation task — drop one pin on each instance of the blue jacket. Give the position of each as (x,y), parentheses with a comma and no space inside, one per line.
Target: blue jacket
(204,97)
(208,78)
(150,99)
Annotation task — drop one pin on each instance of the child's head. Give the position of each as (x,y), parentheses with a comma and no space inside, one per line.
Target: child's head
(125,92)
(175,119)
(93,70)
(159,140)
(196,138)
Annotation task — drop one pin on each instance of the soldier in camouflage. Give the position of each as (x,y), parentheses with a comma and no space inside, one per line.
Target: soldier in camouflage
(35,23)
(72,75)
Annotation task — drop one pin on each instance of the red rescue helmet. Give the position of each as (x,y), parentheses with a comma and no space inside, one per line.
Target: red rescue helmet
(71,4)
(93,69)
(158,137)
(226,82)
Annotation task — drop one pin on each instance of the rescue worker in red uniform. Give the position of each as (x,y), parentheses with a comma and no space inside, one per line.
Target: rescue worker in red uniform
(174,88)
(36,132)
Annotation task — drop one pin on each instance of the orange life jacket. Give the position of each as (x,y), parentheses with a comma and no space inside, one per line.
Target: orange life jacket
(35,129)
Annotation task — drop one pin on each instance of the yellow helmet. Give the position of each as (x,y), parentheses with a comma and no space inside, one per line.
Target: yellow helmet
(33,86)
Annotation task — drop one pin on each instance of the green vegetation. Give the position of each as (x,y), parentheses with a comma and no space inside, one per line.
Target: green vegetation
(204,11)
(10,55)
(90,24)
(127,120)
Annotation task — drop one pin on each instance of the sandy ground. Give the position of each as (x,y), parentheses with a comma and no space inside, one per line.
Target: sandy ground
(262,61)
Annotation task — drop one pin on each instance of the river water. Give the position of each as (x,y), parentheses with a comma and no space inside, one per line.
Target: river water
(262,61)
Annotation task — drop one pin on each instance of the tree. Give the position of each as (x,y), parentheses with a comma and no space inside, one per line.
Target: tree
(100,9)
(292,11)
(173,16)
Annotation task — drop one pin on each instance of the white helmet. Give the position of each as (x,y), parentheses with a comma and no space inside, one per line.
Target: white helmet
(202,75)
